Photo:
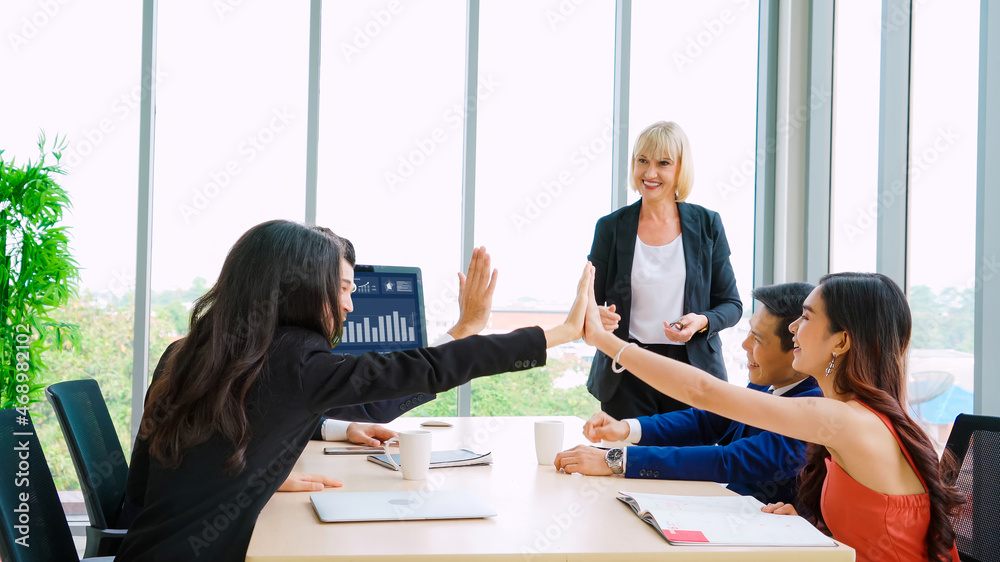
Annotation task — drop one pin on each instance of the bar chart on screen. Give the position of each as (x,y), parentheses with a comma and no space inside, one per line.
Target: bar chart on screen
(388,311)
(382,328)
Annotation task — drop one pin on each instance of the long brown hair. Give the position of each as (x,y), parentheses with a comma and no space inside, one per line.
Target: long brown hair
(279,273)
(873,311)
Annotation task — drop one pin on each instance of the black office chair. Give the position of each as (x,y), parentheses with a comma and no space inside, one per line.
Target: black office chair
(33,526)
(98,457)
(975,442)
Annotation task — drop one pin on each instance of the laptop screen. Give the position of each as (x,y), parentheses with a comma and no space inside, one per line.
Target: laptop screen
(388,311)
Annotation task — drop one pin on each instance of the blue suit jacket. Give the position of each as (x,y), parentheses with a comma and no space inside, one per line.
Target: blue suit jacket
(710,288)
(698,445)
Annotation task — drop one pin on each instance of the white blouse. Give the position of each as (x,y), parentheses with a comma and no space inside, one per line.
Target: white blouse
(658,277)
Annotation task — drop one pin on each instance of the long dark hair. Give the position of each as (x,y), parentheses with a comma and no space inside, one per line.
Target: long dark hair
(278,273)
(873,311)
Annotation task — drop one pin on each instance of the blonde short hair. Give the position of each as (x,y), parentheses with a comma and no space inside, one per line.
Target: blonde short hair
(666,138)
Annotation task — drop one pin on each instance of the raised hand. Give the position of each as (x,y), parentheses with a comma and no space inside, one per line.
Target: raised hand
(572,328)
(475,295)
(602,426)
(594,324)
(578,311)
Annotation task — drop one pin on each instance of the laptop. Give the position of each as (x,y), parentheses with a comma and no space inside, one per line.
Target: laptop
(343,507)
(388,311)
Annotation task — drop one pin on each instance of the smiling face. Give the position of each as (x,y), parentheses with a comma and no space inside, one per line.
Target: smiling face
(654,176)
(767,363)
(813,343)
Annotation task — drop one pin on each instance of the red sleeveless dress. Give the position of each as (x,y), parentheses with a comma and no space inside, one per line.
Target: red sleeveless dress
(877,526)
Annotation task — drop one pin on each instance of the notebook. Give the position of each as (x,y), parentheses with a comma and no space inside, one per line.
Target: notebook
(442,459)
(721,520)
(342,507)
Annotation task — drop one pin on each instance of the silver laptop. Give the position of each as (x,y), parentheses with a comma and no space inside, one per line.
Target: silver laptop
(341,507)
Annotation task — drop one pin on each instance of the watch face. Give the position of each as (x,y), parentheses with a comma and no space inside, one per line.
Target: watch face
(614,455)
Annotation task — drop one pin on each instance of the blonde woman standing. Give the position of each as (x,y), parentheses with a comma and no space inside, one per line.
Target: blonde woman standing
(663,278)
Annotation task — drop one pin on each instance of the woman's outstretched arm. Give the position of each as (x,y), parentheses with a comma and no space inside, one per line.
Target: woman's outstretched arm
(816,420)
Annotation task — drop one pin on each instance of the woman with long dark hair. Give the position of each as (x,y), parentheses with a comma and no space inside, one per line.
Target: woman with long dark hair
(872,478)
(233,404)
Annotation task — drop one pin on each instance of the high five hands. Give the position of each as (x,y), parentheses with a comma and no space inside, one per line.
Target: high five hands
(585,317)
(573,327)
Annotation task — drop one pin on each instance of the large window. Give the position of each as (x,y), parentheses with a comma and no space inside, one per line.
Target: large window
(53,84)
(942,194)
(230,141)
(390,151)
(696,64)
(854,181)
(543,179)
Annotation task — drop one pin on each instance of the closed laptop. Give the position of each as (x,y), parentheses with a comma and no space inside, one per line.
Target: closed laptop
(341,507)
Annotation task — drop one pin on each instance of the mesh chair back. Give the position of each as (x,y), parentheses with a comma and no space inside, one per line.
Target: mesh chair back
(34,530)
(93,444)
(975,442)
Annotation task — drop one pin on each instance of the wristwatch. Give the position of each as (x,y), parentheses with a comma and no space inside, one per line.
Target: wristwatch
(614,459)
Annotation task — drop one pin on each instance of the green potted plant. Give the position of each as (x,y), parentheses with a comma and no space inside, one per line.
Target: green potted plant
(37,273)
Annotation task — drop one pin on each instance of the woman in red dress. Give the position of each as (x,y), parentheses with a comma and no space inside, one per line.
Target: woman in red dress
(872,477)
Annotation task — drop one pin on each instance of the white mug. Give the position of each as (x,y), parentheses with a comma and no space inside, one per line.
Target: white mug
(548,440)
(414,453)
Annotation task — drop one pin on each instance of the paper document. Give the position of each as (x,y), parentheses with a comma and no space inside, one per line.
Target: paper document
(442,459)
(721,520)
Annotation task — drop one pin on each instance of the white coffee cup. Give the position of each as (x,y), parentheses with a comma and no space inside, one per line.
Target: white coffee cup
(548,440)
(414,453)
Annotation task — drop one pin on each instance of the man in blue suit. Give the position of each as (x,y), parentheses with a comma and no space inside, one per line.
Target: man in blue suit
(698,445)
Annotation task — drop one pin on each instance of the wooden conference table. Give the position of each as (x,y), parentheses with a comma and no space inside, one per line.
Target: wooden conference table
(542,514)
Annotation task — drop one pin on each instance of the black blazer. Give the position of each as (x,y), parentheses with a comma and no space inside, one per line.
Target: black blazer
(199,510)
(710,288)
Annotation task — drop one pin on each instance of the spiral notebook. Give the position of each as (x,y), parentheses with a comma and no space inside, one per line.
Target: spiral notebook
(442,459)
